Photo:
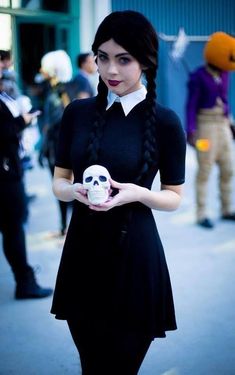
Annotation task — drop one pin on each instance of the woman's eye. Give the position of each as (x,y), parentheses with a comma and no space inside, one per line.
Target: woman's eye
(124,60)
(102,57)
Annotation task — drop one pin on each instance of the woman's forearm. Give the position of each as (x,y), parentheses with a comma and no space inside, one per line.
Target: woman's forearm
(164,200)
(63,189)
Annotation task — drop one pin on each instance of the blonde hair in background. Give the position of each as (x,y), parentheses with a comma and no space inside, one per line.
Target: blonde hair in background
(57,64)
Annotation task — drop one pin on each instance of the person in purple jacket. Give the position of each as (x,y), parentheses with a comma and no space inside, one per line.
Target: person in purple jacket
(208,124)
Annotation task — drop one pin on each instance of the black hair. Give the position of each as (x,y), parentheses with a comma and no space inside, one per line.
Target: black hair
(5,55)
(133,31)
(81,58)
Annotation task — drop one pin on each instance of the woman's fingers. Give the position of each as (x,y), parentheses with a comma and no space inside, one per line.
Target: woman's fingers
(115,184)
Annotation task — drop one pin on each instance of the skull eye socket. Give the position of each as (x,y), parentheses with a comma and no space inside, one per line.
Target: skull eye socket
(88,179)
(102,178)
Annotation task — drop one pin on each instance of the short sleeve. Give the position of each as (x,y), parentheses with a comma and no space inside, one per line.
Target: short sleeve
(172,150)
(63,152)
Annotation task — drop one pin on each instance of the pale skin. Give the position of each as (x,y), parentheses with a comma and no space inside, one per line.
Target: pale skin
(115,63)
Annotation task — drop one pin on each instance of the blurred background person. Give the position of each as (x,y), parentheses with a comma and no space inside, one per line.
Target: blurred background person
(84,83)
(9,78)
(30,135)
(208,124)
(12,197)
(56,68)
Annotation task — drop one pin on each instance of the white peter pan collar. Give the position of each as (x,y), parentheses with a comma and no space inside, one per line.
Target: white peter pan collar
(128,101)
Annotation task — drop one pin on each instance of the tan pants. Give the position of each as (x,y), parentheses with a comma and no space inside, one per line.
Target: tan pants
(214,127)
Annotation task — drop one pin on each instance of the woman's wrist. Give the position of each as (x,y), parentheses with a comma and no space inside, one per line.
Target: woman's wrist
(63,190)
(142,194)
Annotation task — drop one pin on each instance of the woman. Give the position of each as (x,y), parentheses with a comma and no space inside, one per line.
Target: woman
(12,198)
(113,286)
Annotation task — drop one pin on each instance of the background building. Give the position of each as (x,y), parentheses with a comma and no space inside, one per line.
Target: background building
(32,27)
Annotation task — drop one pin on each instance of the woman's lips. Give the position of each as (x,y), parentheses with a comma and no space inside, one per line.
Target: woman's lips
(113,83)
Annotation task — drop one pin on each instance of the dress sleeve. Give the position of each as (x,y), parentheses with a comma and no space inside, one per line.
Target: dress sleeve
(63,152)
(172,150)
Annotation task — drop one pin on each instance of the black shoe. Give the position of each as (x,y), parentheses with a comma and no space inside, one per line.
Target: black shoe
(28,288)
(230,216)
(206,223)
(36,292)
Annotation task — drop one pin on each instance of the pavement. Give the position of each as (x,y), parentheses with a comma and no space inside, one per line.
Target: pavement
(202,268)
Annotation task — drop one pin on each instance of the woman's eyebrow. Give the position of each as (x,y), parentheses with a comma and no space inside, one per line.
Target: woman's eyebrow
(117,55)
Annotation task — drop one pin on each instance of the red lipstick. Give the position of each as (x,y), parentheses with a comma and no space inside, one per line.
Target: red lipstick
(113,83)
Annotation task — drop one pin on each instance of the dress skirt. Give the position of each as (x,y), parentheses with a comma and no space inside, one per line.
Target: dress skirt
(113,272)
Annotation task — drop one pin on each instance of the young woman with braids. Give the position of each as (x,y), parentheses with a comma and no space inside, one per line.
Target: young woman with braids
(113,286)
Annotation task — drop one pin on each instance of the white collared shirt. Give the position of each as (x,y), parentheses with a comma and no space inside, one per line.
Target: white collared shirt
(128,101)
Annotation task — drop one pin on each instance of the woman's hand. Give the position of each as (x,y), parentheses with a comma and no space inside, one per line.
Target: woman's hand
(28,117)
(127,193)
(167,199)
(79,193)
(64,188)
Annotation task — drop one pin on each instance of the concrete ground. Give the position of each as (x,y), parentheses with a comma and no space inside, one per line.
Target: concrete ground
(202,268)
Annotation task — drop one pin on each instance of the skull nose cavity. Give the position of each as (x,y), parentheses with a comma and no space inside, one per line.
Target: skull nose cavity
(96,183)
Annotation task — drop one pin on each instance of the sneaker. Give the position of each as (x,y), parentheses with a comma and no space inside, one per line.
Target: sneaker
(230,216)
(206,223)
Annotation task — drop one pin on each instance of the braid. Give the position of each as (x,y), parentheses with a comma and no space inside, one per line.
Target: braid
(98,125)
(149,141)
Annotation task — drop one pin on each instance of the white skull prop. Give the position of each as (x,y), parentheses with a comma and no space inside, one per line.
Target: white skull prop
(96,182)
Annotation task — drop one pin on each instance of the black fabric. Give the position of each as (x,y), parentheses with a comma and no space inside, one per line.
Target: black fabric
(10,133)
(13,207)
(125,284)
(104,351)
(12,214)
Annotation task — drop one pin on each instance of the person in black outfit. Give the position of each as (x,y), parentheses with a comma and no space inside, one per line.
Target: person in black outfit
(113,286)
(13,199)
(56,68)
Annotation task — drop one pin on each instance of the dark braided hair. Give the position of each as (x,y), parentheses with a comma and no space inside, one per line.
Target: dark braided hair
(98,125)
(132,31)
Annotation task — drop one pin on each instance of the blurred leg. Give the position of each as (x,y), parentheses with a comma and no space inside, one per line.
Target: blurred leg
(226,168)
(12,208)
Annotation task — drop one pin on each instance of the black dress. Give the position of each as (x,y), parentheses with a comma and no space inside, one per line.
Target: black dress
(105,278)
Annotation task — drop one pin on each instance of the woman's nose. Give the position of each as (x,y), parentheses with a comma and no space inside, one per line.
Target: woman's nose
(112,68)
